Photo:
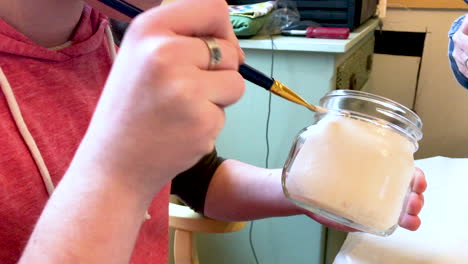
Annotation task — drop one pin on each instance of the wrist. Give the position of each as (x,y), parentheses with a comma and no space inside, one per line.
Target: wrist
(290,208)
(101,177)
(276,199)
(109,166)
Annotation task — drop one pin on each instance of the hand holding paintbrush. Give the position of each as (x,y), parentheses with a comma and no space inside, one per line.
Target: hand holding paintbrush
(245,70)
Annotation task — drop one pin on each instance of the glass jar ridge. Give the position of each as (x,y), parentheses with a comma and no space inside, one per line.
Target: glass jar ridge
(371,107)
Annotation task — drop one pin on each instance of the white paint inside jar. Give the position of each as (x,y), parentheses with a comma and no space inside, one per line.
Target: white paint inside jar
(354,169)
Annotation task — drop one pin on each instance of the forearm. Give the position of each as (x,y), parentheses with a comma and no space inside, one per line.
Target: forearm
(88,219)
(240,191)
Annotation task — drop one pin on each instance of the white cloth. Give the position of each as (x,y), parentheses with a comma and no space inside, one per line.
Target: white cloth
(443,235)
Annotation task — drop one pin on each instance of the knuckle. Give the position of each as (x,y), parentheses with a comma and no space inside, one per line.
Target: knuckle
(159,54)
(181,91)
(163,49)
(140,26)
(136,26)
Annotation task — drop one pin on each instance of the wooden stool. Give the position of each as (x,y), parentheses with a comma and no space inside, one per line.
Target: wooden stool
(185,221)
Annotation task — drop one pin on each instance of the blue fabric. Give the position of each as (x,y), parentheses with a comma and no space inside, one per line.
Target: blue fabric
(462,79)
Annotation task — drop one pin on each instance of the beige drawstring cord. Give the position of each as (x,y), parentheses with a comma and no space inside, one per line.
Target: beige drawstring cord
(24,131)
(111,43)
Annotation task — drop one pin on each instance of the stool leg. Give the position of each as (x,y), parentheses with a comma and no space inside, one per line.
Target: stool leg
(184,250)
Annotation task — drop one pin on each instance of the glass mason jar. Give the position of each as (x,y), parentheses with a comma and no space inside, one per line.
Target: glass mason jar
(354,165)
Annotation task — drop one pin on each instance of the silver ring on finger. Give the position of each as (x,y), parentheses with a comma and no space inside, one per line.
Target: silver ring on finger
(215,52)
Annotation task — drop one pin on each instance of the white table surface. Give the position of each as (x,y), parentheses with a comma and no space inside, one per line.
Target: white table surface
(443,235)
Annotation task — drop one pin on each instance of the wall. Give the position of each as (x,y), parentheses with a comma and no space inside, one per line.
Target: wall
(440,101)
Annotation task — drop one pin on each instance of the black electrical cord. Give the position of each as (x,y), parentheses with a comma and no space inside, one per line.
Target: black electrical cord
(251,243)
(267,130)
(267,141)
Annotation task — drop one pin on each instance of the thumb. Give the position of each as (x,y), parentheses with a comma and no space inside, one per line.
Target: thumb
(464,26)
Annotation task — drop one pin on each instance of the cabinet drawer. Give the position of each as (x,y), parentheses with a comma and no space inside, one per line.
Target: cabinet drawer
(354,71)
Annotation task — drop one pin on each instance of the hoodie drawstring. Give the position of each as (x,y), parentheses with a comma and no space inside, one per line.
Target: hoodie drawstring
(24,131)
(23,128)
(111,43)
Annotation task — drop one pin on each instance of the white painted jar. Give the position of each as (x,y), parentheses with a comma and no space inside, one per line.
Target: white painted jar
(355,164)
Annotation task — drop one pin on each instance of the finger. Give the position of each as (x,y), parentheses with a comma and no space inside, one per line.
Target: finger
(196,51)
(410,222)
(210,18)
(464,26)
(229,54)
(419,181)
(223,87)
(415,204)
(460,56)
(461,60)
(461,68)
(461,42)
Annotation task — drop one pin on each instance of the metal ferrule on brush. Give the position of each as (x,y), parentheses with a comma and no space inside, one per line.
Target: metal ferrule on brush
(283,91)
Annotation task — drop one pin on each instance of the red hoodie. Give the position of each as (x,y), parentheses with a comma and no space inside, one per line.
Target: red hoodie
(57,92)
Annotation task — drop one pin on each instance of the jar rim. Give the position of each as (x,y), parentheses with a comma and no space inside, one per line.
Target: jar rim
(397,115)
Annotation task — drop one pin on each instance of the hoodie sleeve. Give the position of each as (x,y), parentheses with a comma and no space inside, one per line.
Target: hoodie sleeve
(191,186)
(462,79)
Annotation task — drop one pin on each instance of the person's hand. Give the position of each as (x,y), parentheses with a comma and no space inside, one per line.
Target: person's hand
(414,202)
(409,218)
(460,51)
(162,109)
